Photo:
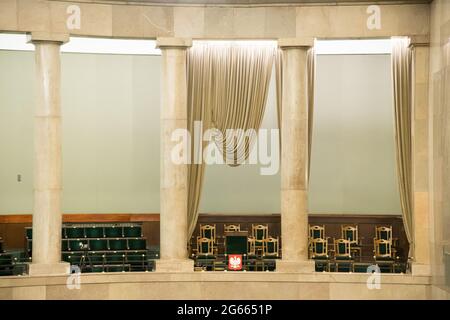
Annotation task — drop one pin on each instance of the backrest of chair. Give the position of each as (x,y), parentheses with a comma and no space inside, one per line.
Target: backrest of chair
(271,246)
(383,233)
(260,232)
(319,247)
(383,248)
(349,233)
(231,227)
(204,246)
(342,247)
(317,232)
(208,231)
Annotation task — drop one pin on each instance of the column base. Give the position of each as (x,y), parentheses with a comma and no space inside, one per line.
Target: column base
(420,269)
(44,269)
(185,265)
(307,266)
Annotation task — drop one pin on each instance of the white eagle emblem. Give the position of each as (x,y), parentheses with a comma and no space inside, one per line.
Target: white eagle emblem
(235,262)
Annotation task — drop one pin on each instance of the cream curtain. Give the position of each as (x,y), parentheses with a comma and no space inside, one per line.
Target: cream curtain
(311,71)
(401,76)
(227,89)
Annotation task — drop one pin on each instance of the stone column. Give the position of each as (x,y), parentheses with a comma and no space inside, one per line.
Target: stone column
(421,232)
(294,157)
(47,216)
(173,211)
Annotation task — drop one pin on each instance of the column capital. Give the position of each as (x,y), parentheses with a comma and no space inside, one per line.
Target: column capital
(419,41)
(292,43)
(173,43)
(42,36)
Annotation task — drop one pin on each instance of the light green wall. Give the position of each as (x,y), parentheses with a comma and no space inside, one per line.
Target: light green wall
(110,106)
(353,155)
(110,109)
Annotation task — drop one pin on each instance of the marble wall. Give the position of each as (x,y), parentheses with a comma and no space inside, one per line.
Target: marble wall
(439,85)
(216,285)
(101,18)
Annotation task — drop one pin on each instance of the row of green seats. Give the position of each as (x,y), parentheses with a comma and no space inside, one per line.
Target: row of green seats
(101,244)
(92,231)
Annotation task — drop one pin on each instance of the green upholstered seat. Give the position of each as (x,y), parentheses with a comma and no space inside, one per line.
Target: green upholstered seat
(64,245)
(29,233)
(74,258)
(349,235)
(74,232)
(259,235)
(316,234)
(98,244)
(97,268)
(132,232)
(77,244)
(136,258)
(94,232)
(385,235)
(65,256)
(137,244)
(117,268)
(113,232)
(96,258)
(118,244)
(5,260)
(115,258)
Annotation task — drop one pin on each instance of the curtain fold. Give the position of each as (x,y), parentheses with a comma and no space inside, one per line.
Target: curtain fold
(311,71)
(227,89)
(401,59)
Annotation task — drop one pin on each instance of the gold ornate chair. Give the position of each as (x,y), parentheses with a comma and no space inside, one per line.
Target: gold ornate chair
(208,231)
(350,233)
(259,235)
(384,254)
(316,232)
(383,233)
(342,254)
(231,227)
(205,248)
(319,252)
(271,247)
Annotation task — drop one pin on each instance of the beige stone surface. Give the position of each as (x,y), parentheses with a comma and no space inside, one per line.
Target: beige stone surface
(280,22)
(33,15)
(47,217)
(249,22)
(218,285)
(439,86)
(173,221)
(8,16)
(44,269)
(189,22)
(95,19)
(294,158)
(219,22)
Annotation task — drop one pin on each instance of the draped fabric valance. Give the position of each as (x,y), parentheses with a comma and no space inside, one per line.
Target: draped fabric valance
(227,89)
